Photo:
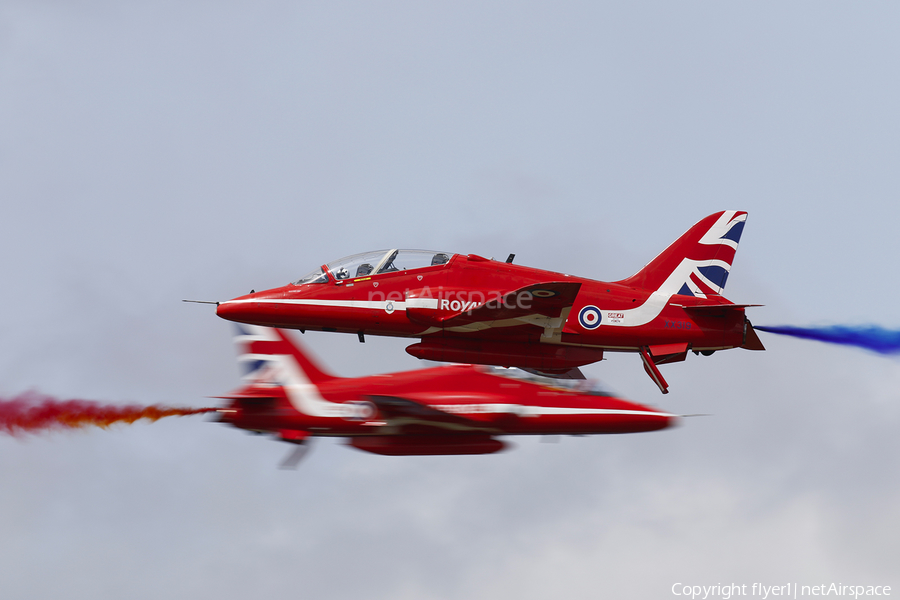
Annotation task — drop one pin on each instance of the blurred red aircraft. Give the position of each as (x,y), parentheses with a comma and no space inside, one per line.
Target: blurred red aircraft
(453,409)
(474,310)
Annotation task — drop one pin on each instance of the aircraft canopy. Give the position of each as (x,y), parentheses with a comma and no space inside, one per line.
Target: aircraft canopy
(590,387)
(376,263)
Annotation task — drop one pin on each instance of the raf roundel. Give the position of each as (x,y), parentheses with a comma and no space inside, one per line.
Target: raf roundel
(589,317)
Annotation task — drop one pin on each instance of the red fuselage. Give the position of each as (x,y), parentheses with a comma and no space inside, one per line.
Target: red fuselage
(397,304)
(454,409)
(474,310)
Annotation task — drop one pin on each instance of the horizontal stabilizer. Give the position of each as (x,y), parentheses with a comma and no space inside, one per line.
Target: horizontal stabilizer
(710,307)
(248,394)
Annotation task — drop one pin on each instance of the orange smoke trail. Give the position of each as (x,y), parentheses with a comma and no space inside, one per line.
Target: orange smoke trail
(32,412)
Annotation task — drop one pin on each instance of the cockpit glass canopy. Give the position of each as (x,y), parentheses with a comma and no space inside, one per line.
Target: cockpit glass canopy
(317,276)
(590,387)
(376,263)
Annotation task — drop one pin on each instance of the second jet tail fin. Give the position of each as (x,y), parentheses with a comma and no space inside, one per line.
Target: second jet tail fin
(260,348)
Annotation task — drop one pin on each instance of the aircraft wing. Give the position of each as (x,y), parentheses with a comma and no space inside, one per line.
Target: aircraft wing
(404,412)
(543,299)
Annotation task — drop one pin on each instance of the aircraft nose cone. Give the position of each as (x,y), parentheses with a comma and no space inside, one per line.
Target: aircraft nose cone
(655,420)
(259,308)
(228,310)
(239,310)
(668,421)
(661,420)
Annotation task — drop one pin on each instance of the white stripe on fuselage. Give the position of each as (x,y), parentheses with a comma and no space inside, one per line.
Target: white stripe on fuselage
(649,310)
(372,304)
(537,411)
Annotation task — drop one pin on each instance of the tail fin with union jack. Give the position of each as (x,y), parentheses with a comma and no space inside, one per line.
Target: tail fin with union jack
(262,349)
(697,263)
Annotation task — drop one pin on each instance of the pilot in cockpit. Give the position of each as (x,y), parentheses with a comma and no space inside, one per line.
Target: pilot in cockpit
(439,259)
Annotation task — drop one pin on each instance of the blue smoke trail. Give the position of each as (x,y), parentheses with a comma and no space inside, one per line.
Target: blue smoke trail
(870,337)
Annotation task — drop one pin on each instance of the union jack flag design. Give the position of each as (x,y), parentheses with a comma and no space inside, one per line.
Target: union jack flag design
(262,351)
(712,256)
(697,263)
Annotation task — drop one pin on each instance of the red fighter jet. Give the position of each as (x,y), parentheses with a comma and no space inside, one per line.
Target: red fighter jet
(453,409)
(465,308)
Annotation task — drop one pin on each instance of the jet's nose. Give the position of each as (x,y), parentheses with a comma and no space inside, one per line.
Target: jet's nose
(668,421)
(654,420)
(250,309)
(266,308)
(233,310)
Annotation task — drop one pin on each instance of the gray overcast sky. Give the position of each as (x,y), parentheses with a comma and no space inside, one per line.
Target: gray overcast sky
(154,151)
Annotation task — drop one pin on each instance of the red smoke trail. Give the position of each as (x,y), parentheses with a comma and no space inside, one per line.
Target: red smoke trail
(32,412)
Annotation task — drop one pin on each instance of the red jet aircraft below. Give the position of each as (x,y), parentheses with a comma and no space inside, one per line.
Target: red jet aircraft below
(469,309)
(452,409)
